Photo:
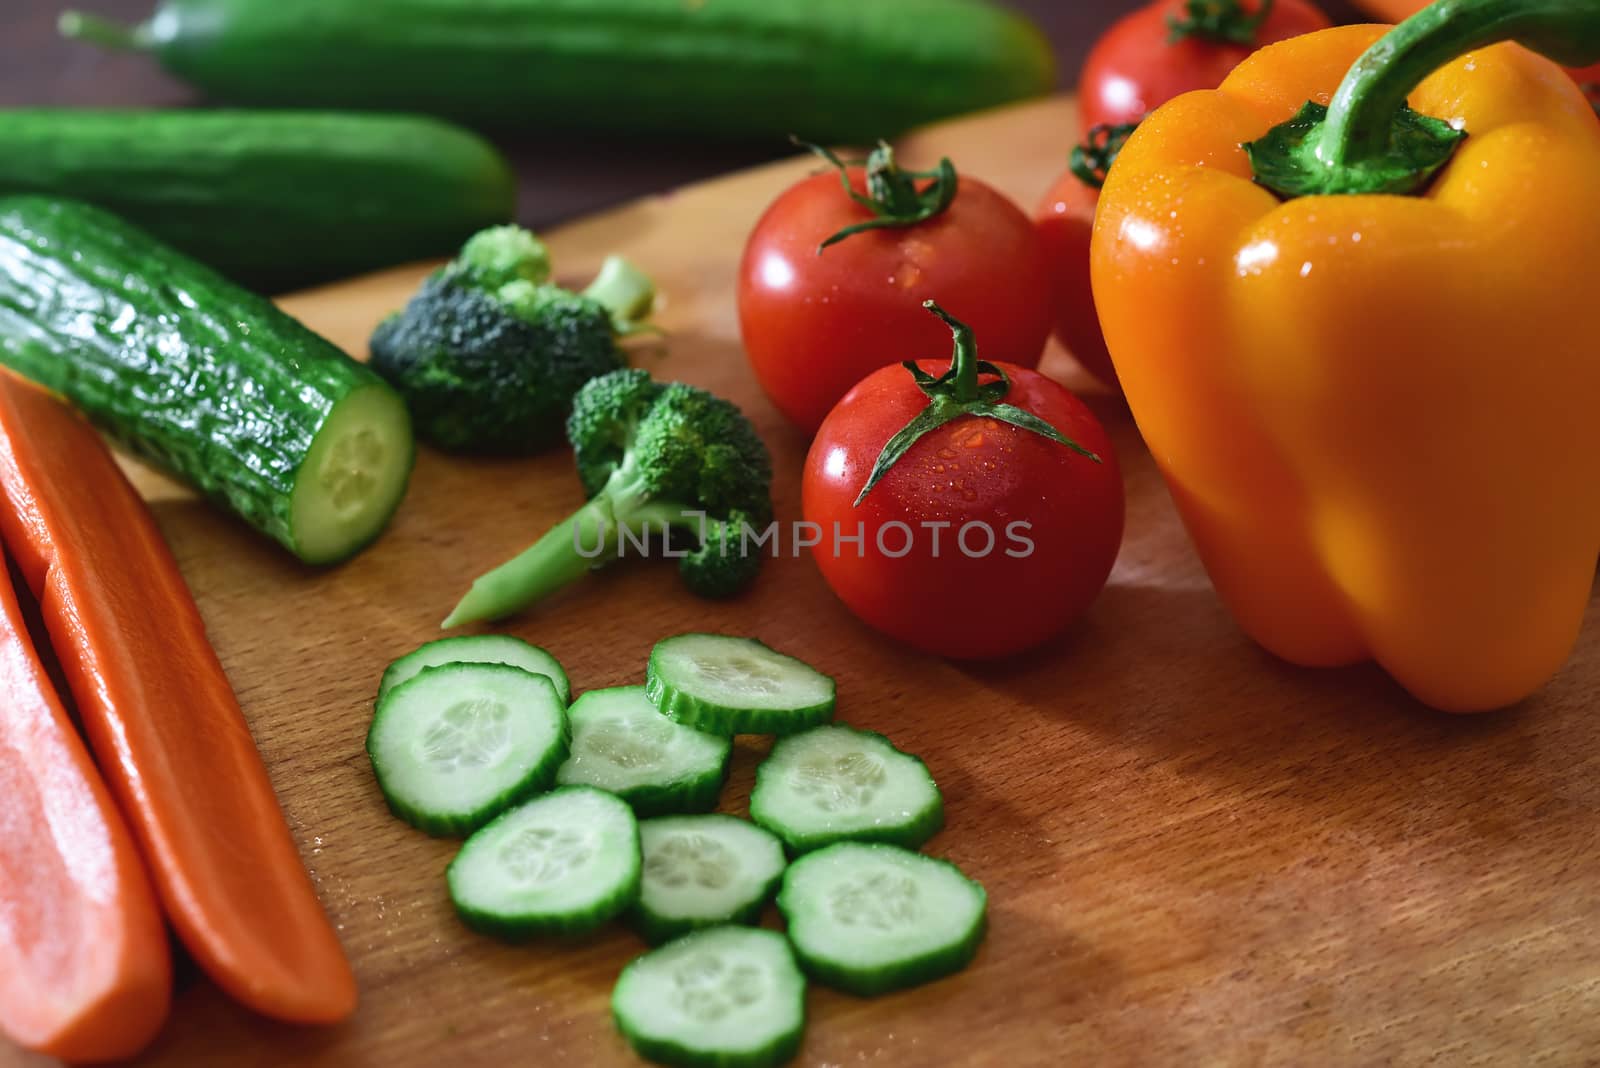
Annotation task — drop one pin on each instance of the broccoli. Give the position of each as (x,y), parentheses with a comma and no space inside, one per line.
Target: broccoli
(489,352)
(654,458)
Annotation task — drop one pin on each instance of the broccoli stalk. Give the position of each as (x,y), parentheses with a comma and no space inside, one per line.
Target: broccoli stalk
(489,352)
(655,458)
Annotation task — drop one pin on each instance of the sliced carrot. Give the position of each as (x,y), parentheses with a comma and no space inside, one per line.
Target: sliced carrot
(84,970)
(161,717)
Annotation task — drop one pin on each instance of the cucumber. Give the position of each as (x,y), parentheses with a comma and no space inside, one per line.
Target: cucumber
(726,997)
(457,744)
(565,863)
(621,744)
(726,685)
(202,378)
(833,783)
(703,871)
(868,919)
(841,69)
(477,649)
(272,200)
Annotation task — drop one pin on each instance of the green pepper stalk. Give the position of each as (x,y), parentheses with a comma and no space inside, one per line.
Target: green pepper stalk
(1367,140)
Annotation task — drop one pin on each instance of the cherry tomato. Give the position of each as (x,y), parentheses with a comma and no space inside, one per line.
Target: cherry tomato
(984,539)
(1138,65)
(1065,219)
(814,324)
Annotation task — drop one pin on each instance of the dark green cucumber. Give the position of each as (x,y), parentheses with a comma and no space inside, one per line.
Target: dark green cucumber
(273,200)
(209,381)
(824,69)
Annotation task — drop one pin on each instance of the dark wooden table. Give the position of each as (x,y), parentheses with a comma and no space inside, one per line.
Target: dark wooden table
(561,177)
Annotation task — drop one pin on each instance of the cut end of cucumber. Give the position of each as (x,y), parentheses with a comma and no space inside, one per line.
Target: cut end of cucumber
(728,685)
(833,783)
(868,919)
(700,871)
(621,744)
(353,477)
(727,996)
(564,863)
(477,649)
(457,744)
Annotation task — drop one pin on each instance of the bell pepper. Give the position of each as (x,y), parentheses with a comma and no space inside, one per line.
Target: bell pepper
(1362,344)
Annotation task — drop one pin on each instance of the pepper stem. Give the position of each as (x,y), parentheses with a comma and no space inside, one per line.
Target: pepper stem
(1367,140)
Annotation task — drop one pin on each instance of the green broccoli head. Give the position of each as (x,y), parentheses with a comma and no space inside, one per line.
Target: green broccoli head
(653,457)
(488,354)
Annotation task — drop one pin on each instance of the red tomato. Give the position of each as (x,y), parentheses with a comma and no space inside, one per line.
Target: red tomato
(816,324)
(1065,220)
(1029,529)
(1136,67)
(1588,79)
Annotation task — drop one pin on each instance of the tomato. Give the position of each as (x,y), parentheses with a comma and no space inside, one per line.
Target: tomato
(1065,219)
(814,324)
(1137,66)
(1588,79)
(984,539)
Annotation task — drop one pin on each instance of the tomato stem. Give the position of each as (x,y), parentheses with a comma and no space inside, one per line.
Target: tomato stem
(893,194)
(1224,21)
(958,393)
(1091,161)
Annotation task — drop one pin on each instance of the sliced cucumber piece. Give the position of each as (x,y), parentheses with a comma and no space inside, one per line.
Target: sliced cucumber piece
(621,744)
(459,743)
(702,871)
(871,918)
(353,476)
(834,782)
(564,863)
(726,997)
(477,649)
(736,686)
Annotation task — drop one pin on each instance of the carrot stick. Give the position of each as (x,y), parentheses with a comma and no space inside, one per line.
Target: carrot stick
(84,970)
(161,717)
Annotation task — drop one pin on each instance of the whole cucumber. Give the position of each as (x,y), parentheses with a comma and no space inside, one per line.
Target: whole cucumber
(204,379)
(273,200)
(848,70)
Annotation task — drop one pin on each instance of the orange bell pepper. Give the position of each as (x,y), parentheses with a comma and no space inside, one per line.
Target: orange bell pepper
(1376,413)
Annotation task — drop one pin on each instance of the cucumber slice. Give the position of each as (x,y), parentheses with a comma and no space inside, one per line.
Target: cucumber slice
(726,997)
(736,686)
(871,918)
(621,744)
(564,863)
(834,782)
(459,743)
(702,871)
(478,649)
(353,476)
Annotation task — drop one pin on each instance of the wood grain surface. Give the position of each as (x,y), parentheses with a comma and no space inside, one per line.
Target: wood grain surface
(1195,854)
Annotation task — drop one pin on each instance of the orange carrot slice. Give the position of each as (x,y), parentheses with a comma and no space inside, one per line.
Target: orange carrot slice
(161,717)
(84,970)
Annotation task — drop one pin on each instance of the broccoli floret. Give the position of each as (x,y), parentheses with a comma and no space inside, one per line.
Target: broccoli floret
(489,353)
(663,458)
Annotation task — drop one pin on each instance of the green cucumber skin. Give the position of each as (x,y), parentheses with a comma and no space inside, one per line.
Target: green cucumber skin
(273,200)
(903,975)
(852,70)
(683,798)
(659,930)
(160,352)
(691,711)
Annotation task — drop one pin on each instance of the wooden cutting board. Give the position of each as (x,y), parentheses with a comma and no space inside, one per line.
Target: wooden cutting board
(1195,854)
